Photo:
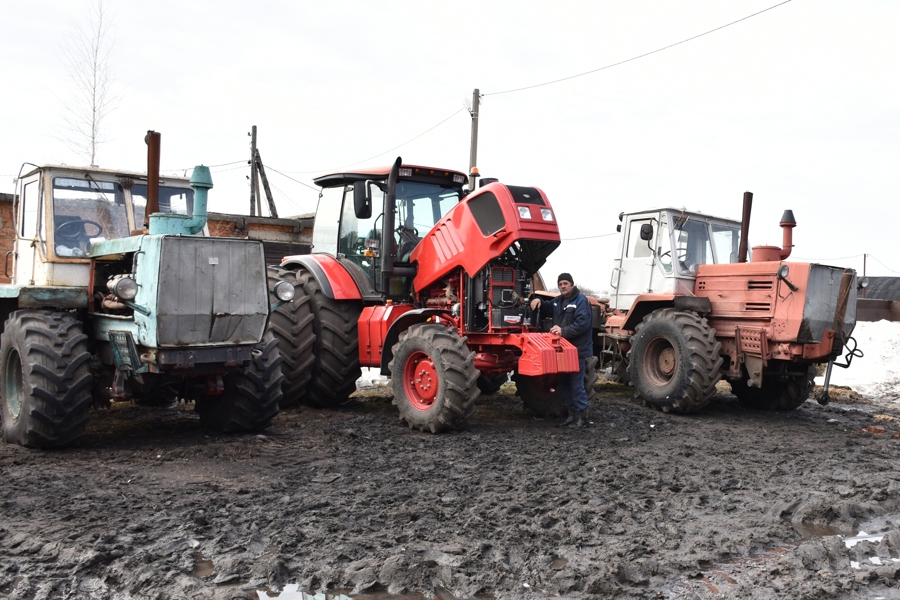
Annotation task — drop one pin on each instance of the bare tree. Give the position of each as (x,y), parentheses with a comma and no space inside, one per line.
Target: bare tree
(86,52)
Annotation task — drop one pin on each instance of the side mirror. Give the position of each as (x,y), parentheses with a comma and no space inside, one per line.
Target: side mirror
(646,232)
(362,199)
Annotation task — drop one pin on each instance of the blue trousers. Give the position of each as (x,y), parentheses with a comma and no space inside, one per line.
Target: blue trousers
(572,387)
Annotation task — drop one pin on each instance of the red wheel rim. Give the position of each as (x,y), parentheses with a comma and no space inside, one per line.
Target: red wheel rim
(420,380)
(661,363)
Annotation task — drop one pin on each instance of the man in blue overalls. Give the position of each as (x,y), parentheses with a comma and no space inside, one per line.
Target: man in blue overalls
(571,313)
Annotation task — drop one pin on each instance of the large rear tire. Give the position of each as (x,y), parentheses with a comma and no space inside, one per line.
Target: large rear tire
(45,379)
(434,378)
(336,349)
(540,396)
(777,393)
(250,399)
(292,324)
(674,361)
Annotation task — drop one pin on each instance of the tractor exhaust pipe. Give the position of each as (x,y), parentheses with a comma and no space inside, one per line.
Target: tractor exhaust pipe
(774,253)
(787,240)
(152,139)
(387,239)
(745,227)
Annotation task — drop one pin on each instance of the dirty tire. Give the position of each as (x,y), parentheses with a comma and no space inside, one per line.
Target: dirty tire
(434,378)
(786,394)
(336,348)
(540,396)
(491,384)
(250,400)
(674,361)
(46,378)
(292,324)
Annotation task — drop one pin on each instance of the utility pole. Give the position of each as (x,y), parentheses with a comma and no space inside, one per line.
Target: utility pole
(257,172)
(473,148)
(254,186)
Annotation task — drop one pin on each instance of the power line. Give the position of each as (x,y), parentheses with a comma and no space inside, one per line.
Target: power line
(269,168)
(830,259)
(882,264)
(589,237)
(633,58)
(382,153)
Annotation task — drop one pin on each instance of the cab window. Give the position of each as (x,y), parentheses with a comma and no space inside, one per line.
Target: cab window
(85,210)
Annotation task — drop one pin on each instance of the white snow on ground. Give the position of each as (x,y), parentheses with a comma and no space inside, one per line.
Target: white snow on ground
(371,378)
(877,373)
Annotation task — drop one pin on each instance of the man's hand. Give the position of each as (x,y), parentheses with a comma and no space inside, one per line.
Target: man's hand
(556,329)
(535,304)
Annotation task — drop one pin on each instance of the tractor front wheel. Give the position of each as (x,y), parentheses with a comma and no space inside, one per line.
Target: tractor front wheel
(336,349)
(434,378)
(292,324)
(674,361)
(250,399)
(45,378)
(541,396)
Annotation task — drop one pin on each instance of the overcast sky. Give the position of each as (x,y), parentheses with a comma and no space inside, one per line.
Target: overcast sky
(799,104)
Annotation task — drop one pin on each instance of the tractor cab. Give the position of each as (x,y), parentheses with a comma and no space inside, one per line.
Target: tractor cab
(660,251)
(64,211)
(356,210)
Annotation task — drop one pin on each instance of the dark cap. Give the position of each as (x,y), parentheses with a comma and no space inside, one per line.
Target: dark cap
(565,277)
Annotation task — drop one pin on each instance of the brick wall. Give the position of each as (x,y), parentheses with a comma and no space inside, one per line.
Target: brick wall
(7,233)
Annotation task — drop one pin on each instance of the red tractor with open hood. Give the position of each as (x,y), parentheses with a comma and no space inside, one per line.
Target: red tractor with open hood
(413,275)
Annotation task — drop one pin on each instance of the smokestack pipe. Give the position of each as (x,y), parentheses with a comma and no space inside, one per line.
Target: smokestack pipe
(387,239)
(787,240)
(745,227)
(153,149)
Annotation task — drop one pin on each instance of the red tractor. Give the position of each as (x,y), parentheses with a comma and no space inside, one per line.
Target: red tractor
(431,287)
(688,309)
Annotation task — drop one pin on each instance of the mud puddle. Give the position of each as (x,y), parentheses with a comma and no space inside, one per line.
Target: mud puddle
(293,592)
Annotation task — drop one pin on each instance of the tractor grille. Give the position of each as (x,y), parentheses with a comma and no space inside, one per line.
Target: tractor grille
(212,291)
(830,303)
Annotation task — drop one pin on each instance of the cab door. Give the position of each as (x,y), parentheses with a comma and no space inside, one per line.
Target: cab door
(28,223)
(634,272)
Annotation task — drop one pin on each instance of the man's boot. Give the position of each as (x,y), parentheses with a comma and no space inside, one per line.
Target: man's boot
(573,416)
(580,420)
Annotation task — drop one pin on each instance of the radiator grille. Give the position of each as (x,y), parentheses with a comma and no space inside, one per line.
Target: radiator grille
(212,291)
(755,284)
(759,306)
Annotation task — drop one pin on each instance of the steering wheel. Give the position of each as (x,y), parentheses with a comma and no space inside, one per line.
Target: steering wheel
(64,229)
(403,228)
(681,254)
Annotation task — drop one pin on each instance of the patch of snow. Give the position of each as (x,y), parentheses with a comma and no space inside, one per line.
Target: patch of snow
(371,378)
(876,374)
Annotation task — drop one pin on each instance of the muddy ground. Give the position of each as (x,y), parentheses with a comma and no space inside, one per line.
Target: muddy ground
(728,503)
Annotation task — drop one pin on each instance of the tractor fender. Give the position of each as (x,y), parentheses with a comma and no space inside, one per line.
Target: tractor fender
(419,315)
(333,277)
(645,304)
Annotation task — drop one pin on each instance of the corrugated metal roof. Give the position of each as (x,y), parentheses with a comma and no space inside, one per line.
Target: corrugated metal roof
(883,288)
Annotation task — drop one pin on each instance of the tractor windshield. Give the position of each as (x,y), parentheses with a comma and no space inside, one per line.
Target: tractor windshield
(175,200)
(85,210)
(701,242)
(419,207)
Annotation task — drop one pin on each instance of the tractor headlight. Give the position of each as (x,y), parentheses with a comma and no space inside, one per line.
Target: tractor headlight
(546,214)
(862,283)
(123,287)
(783,272)
(524,212)
(284,291)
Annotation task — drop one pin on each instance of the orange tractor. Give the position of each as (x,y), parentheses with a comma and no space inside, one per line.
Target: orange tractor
(688,309)
(414,276)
